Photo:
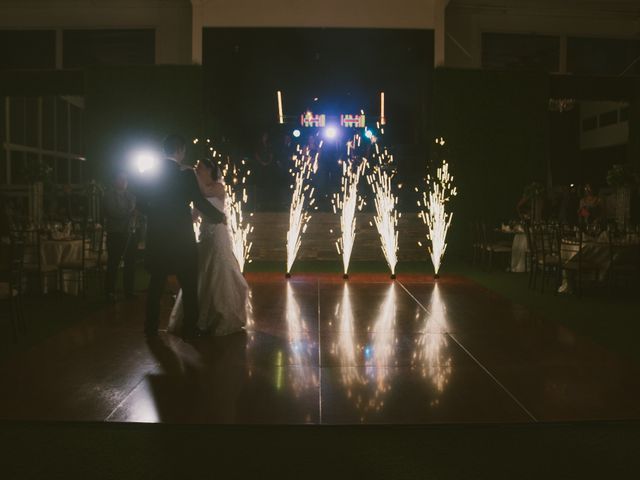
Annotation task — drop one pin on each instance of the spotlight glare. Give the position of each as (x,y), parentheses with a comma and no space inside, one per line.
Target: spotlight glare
(296,133)
(330,132)
(368,133)
(145,161)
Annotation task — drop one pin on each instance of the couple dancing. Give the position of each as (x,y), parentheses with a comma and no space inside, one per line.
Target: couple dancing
(213,293)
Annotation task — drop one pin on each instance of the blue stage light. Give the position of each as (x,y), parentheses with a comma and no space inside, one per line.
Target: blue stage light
(296,133)
(368,133)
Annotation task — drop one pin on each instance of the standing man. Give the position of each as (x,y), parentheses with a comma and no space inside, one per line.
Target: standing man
(171,245)
(119,209)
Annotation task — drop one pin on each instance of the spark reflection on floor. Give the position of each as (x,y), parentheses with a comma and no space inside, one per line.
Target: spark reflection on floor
(322,350)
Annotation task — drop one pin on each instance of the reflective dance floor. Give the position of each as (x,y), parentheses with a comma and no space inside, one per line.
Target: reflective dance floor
(321,350)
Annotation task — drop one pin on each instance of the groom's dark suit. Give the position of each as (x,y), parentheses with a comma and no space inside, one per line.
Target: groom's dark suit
(170,245)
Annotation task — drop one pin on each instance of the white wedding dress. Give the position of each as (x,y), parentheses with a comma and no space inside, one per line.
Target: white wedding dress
(222,290)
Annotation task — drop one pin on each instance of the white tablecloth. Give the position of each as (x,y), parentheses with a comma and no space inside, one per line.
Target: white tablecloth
(595,252)
(55,252)
(519,249)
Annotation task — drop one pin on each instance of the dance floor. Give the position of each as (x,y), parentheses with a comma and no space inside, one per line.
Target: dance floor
(321,350)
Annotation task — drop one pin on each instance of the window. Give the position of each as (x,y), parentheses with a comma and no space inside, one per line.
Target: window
(84,48)
(509,51)
(22,49)
(608,118)
(45,131)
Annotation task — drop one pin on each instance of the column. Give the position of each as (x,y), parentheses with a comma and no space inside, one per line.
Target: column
(197,7)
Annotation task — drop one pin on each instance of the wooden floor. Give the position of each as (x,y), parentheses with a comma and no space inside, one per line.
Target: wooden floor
(321,350)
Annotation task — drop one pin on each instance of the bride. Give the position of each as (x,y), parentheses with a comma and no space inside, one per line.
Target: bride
(222,290)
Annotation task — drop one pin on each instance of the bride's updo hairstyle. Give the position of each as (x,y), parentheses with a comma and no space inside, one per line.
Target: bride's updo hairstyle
(215,176)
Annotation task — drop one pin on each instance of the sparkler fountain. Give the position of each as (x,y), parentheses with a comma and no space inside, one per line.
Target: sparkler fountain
(301,197)
(235,187)
(236,193)
(434,213)
(347,201)
(386,218)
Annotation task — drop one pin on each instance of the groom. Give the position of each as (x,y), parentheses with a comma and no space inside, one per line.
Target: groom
(171,246)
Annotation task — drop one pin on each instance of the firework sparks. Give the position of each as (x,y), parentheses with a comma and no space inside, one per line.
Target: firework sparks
(304,165)
(346,202)
(434,214)
(386,218)
(235,187)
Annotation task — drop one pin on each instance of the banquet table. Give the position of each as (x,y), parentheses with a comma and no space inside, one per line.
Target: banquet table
(595,251)
(519,248)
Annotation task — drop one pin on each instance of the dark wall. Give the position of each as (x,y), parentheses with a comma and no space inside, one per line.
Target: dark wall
(41,82)
(130,108)
(496,128)
(564,146)
(633,152)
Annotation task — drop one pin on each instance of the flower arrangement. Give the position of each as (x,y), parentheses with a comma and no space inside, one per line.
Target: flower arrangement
(621,176)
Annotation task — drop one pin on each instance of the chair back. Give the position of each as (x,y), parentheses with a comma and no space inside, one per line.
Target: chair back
(623,249)
(16,264)
(571,249)
(484,239)
(531,241)
(92,242)
(30,241)
(540,241)
(96,242)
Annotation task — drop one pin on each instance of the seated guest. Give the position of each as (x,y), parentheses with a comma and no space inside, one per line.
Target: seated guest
(589,208)
(119,209)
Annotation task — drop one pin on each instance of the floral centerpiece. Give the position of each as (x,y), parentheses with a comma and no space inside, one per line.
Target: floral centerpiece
(621,176)
(623,179)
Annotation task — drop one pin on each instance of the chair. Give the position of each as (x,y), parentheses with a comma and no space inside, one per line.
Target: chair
(11,286)
(33,266)
(545,241)
(491,248)
(577,265)
(624,260)
(532,253)
(97,252)
(90,262)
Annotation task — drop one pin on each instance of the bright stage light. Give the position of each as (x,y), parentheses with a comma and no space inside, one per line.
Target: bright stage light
(330,132)
(296,133)
(368,133)
(145,161)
